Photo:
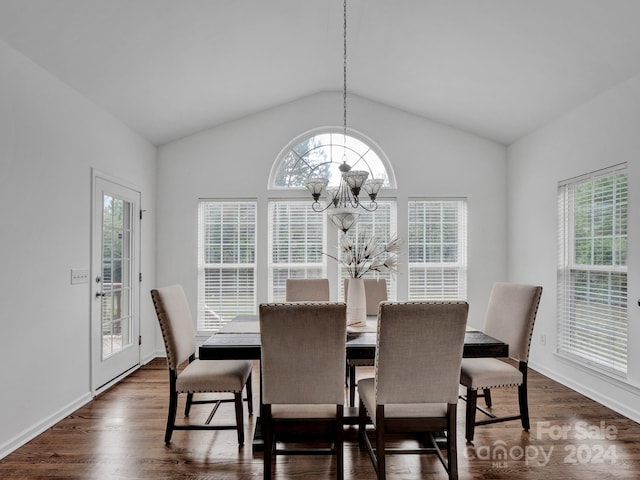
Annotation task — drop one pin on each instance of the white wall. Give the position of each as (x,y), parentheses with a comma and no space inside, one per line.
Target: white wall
(429,159)
(599,134)
(50,138)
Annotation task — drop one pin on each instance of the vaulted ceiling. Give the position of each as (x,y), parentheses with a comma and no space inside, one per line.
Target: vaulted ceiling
(169,68)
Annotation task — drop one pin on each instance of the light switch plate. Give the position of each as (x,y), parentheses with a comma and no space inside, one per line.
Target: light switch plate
(79,275)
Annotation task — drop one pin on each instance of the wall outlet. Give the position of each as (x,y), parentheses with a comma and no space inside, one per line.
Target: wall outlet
(543,339)
(79,275)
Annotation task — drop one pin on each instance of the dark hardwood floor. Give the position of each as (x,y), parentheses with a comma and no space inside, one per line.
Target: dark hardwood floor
(120,435)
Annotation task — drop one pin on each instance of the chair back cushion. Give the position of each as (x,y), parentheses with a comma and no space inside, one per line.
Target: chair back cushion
(172,310)
(419,351)
(303,352)
(375,291)
(511,314)
(307,290)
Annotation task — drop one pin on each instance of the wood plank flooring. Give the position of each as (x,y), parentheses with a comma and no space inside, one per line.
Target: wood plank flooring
(120,435)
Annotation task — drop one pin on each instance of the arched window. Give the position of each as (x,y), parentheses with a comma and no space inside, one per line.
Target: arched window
(298,236)
(319,153)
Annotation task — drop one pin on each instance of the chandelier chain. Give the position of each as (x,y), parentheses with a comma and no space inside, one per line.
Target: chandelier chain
(344,70)
(344,202)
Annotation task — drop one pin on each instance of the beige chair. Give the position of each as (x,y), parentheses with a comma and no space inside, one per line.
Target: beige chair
(307,290)
(198,376)
(303,358)
(510,316)
(375,291)
(415,386)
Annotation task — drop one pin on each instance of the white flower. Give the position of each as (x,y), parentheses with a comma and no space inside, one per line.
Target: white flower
(373,248)
(348,257)
(346,243)
(393,245)
(377,265)
(390,264)
(359,257)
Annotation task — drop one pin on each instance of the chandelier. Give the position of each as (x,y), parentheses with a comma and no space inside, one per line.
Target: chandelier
(343,204)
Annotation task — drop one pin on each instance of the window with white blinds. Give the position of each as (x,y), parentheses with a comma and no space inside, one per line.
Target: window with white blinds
(380,224)
(296,244)
(592,269)
(437,249)
(226,261)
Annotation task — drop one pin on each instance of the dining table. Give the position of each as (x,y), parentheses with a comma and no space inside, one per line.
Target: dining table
(240,339)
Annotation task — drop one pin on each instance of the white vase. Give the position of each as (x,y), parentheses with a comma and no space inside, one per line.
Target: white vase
(356,303)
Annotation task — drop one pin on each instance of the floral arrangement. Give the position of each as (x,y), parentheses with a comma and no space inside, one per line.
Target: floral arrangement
(361,256)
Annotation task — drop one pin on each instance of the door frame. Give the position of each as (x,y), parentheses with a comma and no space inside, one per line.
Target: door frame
(96,270)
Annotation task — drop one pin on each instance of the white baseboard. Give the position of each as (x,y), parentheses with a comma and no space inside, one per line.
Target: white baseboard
(147,358)
(35,430)
(597,396)
(31,433)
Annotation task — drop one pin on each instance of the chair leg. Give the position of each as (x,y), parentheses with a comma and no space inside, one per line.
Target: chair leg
(452,449)
(173,407)
(346,374)
(267,433)
(339,442)
(472,402)
(362,424)
(380,444)
(522,398)
(249,387)
(187,406)
(239,417)
(352,385)
(487,397)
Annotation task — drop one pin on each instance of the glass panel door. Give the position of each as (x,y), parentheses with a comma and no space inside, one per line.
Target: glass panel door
(115,267)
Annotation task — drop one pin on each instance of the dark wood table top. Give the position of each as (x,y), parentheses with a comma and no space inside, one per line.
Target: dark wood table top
(242,341)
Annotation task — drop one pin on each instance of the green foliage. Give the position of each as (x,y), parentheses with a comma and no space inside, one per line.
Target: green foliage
(600,221)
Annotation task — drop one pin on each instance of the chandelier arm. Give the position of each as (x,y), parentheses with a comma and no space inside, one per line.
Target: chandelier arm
(373,206)
(317,207)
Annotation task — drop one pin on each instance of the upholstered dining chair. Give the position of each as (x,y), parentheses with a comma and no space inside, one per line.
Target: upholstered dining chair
(510,317)
(198,376)
(307,290)
(414,390)
(375,291)
(303,358)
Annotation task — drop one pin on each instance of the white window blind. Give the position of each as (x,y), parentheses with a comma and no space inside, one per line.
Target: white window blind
(296,244)
(592,269)
(437,249)
(226,261)
(381,224)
